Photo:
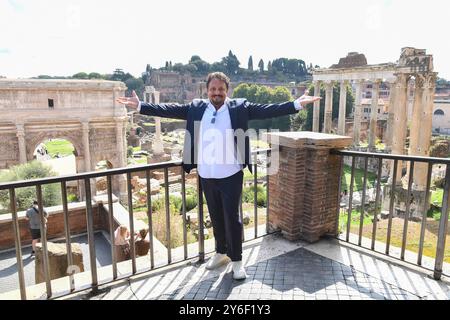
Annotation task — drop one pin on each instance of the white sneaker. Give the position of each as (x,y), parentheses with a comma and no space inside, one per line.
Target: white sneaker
(218,260)
(238,270)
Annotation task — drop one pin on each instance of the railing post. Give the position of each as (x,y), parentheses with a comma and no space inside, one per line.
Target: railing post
(304,197)
(443,223)
(201,231)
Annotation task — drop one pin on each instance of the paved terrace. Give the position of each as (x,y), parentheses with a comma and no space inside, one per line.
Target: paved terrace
(288,270)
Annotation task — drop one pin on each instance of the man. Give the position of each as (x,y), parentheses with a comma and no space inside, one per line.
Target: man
(211,125)
(34,220)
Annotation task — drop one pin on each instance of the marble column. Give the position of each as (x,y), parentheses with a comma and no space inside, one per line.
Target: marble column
(120,134)
(342,104)
(22,146)
(400,119)
(157,145)
(390,122)
(374,115)
(87,152)
(357,113)
(328,107)
(316,110)
(424,129)
(416,115)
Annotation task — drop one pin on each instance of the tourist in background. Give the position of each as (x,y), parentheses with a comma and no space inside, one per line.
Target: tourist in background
(34,220)
(122,243)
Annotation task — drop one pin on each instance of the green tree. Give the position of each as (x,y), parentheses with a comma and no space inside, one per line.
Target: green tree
(136,85)
(201,65)
(250,64)
(263,94)
(231,63)
(80,75)
(95,75)
(261,65)
(51,193)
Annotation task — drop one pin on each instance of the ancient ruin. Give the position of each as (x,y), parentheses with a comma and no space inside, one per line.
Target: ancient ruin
(83,112)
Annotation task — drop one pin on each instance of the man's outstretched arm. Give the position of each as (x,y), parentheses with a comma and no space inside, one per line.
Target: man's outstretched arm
(165,110)
(264,111)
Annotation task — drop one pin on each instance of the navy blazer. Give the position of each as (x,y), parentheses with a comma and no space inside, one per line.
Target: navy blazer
(241,111)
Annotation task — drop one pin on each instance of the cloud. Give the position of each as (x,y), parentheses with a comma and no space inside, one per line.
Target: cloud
(5,51)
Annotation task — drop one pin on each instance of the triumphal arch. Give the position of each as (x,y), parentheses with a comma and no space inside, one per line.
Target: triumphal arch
(84,112)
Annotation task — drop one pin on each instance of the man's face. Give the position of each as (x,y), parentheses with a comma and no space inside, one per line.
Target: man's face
(217,92)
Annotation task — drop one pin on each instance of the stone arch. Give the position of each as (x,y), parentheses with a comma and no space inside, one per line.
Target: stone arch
(34,139)
(439,112)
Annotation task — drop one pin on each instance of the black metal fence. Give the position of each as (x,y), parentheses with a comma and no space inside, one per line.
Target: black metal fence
(392,183)
(109,174)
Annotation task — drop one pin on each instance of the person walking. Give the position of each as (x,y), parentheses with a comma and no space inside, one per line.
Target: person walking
(34,220)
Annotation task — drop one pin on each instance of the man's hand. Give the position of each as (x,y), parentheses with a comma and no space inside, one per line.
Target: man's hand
(132,101)
(307,99)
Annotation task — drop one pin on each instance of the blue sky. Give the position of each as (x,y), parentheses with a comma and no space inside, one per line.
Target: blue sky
(64,37)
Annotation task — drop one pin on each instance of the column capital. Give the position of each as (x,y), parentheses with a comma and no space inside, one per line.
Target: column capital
(20,127)
(402,80)
(85,125)
(430,80)
(419,81)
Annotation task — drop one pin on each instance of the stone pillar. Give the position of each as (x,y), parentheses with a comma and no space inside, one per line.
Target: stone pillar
(342,103)
(120,134)
(157,145)
(303,193)
(415,127)
(22,146)
(357,113)
(424,130)
(87,152)
(328,107)
(390,122)
(400,119)
(316,110)
(374,115)
(120,181)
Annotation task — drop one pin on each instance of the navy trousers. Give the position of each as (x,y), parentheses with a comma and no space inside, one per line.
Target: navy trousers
(222,197)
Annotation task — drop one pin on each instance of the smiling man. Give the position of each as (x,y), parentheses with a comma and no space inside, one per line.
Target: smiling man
(212,147)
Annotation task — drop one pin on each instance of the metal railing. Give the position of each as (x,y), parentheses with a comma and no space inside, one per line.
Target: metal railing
(109,174)
(393,183)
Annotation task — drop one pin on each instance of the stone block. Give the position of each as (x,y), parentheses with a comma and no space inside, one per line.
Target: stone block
(57,260)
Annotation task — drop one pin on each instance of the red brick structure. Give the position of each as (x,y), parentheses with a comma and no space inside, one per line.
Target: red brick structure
(77,223)
(303,193)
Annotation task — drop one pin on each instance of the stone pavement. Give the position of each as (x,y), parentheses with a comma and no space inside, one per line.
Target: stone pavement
(282,270)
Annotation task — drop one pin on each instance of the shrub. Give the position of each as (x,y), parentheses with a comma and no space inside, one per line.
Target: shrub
(248,195)
(72,197)
(51,193)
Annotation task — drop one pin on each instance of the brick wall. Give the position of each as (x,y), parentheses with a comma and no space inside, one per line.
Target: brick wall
(77,223)
(303,194)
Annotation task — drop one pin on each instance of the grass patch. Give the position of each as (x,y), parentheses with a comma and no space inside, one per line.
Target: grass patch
(59,146)
(355,219)
(358,179)
(436,197)
(413,234)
